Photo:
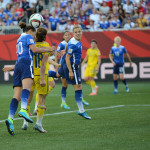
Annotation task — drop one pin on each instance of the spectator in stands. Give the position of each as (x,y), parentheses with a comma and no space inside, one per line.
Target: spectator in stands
(142,22)
(97,4)
(26,8)
(82,16)
(8,7)
(103,24)
(104,9)
(8,21)
(95,16)
(92,26)
(63,17)
(88,8)
(39,6)
(121,14)
(135,15)
(20,12)
(53,23)
(128,7)
(140,8)
(69,25)
(2,13)
(71,15)
(116,5)
(114,22)
(70,6)
(75,20)
(46,15)
(1,23)
(32,4)
(147,17)
(64,3)
(127,15)
(129,24)
(54,8)
(14,16)
(87,21)
(3,4)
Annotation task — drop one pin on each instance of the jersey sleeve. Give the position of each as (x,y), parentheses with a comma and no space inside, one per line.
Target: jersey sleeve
(124,50)
(111,51)
(60,47)
(71,49)
(30,40)
(98,53)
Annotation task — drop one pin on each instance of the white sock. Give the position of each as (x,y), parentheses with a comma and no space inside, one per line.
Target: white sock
(94,90)
(80,107)
(63,100)
(25,122)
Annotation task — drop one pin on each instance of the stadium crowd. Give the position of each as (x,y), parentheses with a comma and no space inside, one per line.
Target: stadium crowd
(92,15)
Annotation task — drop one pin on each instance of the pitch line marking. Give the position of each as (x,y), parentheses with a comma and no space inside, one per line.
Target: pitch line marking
(68,112)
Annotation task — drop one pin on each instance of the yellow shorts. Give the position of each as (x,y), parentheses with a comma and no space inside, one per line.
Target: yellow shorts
(50,79)
(36,83)
(90,72)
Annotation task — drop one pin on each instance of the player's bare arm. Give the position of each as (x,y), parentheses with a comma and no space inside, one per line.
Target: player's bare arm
(111,59)
(50,61)
(71,75)
(85,60)
(6,69)
(98,64)
(42,69)
(129,58)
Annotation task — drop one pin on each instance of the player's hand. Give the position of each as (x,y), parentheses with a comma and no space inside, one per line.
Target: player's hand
(52,50)
(62,52)
(42,83)
(130,64)
(6,69)
(71,75)
(114,64)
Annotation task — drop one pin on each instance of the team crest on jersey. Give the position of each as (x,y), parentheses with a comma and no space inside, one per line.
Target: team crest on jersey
(31,41)
(70,50)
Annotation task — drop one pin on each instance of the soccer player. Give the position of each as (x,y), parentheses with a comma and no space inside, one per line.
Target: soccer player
(93,59)
(23,74)
(41,81)
(117,58)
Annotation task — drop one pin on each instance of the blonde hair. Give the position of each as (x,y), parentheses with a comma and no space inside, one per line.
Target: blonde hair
(117,38)
(76,26)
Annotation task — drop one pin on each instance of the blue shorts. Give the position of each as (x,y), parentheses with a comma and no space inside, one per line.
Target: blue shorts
(118,69)
(61,71)
(23,69)
(64,72)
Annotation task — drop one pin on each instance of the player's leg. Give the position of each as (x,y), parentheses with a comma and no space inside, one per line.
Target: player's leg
(78,98)
(121,75)
(40,113)
(26,88)
(63,94)
(25,123)
(12,109)
(115,78)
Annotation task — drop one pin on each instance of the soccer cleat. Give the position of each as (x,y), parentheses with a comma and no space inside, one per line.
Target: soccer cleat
(24,127)
(85,102)
(39,128)
(115,92)
(23,113)
(9,124)
(97,89)
(65,106)
(84,115)
(127,89)
(92,94)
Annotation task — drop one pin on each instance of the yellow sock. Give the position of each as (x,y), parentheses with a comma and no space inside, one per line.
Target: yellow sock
(50,88)
(28,108)
(40,114)
(37,101)
(93,84)
(88,82)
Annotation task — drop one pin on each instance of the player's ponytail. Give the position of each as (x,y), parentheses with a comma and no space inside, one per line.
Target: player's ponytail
(26,28)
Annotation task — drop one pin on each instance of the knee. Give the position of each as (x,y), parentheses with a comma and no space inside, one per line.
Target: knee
(121,78)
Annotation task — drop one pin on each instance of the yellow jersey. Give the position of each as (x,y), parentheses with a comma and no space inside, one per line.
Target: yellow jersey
(37,59)
(93,56)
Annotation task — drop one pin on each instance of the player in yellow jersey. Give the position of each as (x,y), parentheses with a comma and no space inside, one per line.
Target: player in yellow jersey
(41,67)
(93,59)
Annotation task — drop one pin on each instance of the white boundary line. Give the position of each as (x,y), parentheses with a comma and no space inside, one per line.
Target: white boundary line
(101,108)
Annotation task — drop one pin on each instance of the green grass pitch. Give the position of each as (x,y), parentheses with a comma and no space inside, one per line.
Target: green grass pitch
(119,122)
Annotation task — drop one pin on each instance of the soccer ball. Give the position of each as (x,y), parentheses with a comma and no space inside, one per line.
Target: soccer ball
(36,20)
